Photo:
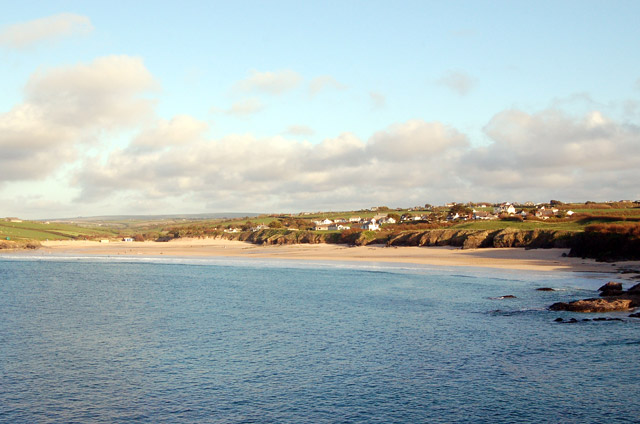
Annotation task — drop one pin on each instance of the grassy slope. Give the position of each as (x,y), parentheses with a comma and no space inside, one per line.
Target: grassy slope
(130,227)
(30,230)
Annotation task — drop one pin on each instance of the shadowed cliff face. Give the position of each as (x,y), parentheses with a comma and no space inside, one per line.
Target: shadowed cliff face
(605,246)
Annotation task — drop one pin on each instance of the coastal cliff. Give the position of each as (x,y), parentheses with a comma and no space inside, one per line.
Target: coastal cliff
(599,246)
(466,239)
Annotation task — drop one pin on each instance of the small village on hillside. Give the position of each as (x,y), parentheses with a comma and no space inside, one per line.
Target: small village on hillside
(446,215)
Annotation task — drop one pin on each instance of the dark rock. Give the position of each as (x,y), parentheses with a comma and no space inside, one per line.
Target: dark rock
(558,320)
(545,289)
(600,319)
(611,285)
(611,289)
(586,319)
(593,305)
(635,290)
(636,315)
(508,296)
(610,293)
(572,320)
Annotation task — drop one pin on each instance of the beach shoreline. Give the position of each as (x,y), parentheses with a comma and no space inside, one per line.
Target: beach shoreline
(500,258)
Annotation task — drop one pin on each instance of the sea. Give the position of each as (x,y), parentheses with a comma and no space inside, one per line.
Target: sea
(196,340)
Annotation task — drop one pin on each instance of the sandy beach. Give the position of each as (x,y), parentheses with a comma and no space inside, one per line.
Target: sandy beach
(507,258)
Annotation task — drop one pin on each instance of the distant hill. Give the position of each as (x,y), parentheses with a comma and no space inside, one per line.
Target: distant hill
(111,218)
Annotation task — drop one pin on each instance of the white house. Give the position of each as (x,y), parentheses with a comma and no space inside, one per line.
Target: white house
(338,227)
(483,215)
(505,208)
(371,225)
(546,213)
(355,219)
(453,217)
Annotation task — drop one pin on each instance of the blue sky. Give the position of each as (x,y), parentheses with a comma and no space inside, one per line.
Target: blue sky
(147,107)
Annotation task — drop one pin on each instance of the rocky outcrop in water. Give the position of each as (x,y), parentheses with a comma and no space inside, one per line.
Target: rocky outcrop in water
(611,289)
(613,299)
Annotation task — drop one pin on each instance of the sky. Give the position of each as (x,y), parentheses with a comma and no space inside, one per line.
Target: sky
(147,107)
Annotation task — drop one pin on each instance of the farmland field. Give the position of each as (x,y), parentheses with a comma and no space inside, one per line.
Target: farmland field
(55,231)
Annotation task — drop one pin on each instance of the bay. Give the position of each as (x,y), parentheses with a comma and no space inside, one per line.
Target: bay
(186,340)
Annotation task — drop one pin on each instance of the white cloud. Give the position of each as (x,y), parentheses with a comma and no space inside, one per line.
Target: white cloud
(66,107)
(459,82)
(415,140)
(32,146)
(378,100)
(554,152)
(324,82)
(182,129)
(299,130)
(26,34)
(276,82)
(246,107)
(533,156)
(273,172)
(102,93)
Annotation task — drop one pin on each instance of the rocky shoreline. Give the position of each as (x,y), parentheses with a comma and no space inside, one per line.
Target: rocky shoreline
(612,298)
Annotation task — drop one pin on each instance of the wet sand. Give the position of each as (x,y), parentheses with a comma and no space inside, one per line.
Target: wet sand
(504,258)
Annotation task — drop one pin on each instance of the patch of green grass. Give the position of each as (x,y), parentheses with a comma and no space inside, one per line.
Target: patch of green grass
(30,230)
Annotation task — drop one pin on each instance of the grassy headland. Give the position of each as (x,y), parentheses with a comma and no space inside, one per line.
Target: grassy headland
(606,231)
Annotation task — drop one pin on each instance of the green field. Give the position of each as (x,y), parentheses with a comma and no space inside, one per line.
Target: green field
(31,230)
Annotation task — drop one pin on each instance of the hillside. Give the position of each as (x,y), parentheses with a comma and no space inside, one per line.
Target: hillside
(606,231)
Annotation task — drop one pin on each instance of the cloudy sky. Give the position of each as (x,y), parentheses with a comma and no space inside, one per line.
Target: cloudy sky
(144,107)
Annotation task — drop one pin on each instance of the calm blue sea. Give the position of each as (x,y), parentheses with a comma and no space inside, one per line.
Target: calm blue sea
(235,341)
